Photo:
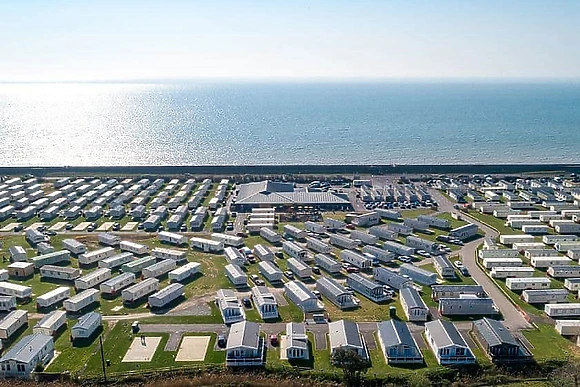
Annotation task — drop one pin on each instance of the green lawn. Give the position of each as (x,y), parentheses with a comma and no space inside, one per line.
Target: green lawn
(492,221)
(119,339)
(367,310)
(548,344)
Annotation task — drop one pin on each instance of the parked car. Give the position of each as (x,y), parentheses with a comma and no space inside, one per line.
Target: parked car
(317,293)
(464,271)
(458,264)
(315,269)
(254,278)
(135,327)
(50,232)
(221,341)
(274,340)
(247,303)
(289,274)
(69,226)
(352,269)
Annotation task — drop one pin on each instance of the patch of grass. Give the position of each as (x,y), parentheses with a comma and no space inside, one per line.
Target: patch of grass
(492,221)
(367,310)
(548,344)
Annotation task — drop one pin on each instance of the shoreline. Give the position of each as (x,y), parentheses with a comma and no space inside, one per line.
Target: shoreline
(296,169)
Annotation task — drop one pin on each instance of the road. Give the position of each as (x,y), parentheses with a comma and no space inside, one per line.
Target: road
(513,318)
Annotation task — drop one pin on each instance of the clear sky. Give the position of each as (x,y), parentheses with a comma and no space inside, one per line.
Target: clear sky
(121,40)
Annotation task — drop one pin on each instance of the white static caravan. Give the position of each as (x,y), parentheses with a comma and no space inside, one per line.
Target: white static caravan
(263,252)
(138,265)
(356,259)
(327,263)
(229,240)
(206,245)
(140,290)
(511,239)
(135,248)
(333,224)
(364,237)
(398,248)
(564,271)
(415,224)
(378,253)
(318,246)
(568,228)
(12,323)
(53,297)
(545,296)
(175,255)
(553,239)
(294,232)
(388,214)
(109,239)
(166,295)
(184,272)
(114,285)
(74,246)
(172,238)
(253,227)
(44,248)
(51,323)
(86,326)
(383,232)
(525,246)
(512,272)
(572,284)
(92,279)
(294,250)
(21,292)
(528,283)
(541,253)
(562,310)
(81,300)
(566,246)
(300,269)
(236,275)
(367,220)
(544,262)
(316,228)
(270,235)
(4,275)
(234,256)
(51,258)
(270,271)
(568,327)
(60,272)
(7,303)
(116,260)
(490,263)
(160,268)
(17,254)
(91,257)
(343,242)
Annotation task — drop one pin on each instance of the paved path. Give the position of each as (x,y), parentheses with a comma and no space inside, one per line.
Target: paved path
(513,318)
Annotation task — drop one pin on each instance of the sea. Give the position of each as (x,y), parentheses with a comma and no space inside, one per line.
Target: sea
(289,123)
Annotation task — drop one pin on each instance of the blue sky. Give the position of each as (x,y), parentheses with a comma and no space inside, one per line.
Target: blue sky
(122,40)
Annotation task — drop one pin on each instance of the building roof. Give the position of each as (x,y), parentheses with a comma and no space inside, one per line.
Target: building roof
(27,348)
(445,334)
(263,296)
(494,332)
(412,298)
(50,319)
(443,261)
(87,320)
(244,334)
(296,336)
(473,289)
(365,282)
(390,278)
(299,290)
(344,333)
(333,287)
(227,299)
(270,192)
(395,332)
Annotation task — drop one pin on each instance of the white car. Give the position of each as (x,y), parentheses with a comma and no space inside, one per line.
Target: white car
(458,264)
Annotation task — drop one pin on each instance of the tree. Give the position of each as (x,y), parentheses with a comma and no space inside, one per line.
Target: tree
(352,364)
(567,375)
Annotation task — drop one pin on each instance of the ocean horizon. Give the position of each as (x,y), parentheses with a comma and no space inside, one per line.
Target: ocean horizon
(290,123)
